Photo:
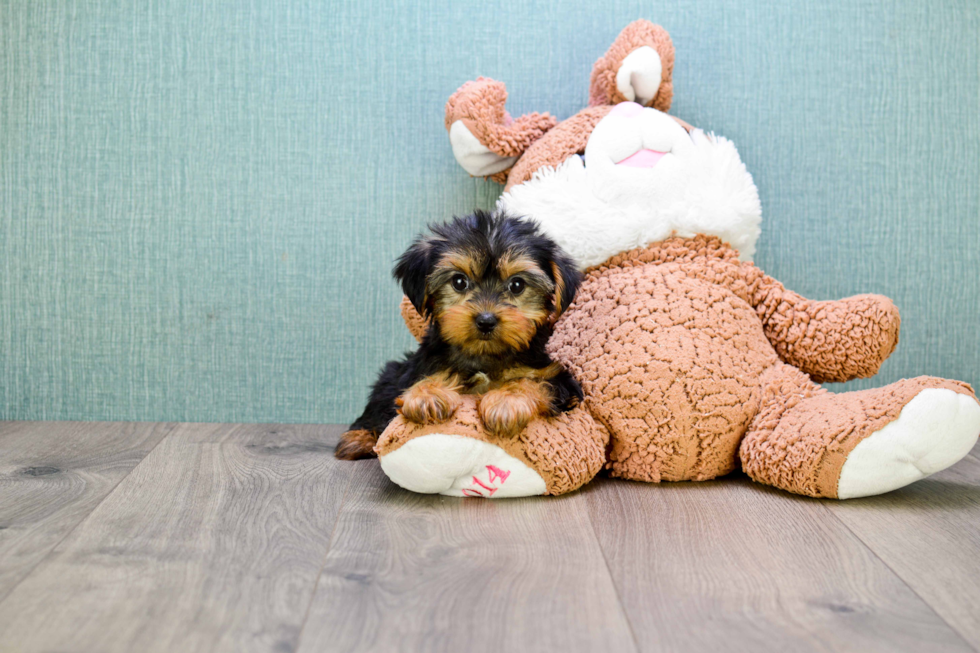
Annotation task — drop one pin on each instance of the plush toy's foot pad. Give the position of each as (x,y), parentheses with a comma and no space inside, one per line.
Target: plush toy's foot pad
(936,429)
(459,466)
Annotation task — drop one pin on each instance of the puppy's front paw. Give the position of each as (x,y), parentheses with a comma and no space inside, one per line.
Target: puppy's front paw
(428,403)
(505,413)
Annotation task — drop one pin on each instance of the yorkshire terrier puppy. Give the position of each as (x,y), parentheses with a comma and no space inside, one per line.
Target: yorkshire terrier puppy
(491,287)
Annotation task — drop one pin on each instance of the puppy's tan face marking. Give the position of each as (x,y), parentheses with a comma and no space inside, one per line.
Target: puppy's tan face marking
(459,261)
(488,307)
(559,289)
(514,263)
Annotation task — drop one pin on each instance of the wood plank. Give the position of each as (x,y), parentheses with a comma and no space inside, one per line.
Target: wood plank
(929,534)
(213,543)
(409,572)
(52,475)
(730,564)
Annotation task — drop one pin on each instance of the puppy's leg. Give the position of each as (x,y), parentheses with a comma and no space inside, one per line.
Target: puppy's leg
(359,441)
(432,400)
(507,409)
(566,393)
(356,444)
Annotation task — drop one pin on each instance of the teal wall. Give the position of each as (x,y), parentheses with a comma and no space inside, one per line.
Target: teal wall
(200,202)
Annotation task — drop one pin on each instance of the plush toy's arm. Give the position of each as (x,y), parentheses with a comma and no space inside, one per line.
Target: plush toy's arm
(638,67)
(486,141)
(832,341)
(415,322)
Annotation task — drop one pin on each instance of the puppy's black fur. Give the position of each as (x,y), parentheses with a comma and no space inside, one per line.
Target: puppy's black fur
(488,241)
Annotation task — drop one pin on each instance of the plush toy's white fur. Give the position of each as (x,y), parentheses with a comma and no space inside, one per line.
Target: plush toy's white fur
(705,189)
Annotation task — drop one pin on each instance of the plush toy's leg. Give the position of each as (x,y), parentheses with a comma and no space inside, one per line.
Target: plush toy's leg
(459,458)
(810,441)
(455,465)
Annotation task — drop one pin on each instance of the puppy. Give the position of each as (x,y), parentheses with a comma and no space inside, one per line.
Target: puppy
(491,287)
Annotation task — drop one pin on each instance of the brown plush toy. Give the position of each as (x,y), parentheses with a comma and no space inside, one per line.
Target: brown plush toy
(693,361)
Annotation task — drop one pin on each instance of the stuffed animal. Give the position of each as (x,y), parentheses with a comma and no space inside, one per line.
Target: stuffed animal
(693,361)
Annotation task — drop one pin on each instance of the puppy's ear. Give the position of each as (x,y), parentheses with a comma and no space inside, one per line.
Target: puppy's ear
(567,279)
(412,270)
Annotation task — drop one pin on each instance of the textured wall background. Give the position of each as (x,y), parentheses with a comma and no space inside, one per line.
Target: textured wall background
(200,202)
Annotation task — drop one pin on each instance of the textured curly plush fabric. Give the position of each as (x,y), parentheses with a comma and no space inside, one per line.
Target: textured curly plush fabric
(832,341)
(669,352)
(416,324)
(536,137)
(602,86)
(480,106)
(567,451)
(802,435)
(680,346)
(561,142)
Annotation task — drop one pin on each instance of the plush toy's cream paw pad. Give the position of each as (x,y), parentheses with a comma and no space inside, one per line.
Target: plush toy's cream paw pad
(460,467)
(934,430)
(475,157)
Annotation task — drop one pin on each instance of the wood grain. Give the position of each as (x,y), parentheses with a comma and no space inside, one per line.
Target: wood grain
(253,538)
(212,543)
(408,572)
(929,534)
(732,565)
(52,475)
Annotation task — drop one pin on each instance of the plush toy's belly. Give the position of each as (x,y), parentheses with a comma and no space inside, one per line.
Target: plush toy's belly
(670,364)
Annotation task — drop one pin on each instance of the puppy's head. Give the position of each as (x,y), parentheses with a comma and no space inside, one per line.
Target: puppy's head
(489,281)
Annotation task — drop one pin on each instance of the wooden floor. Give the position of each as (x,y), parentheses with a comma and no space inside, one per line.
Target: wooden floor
(202,537)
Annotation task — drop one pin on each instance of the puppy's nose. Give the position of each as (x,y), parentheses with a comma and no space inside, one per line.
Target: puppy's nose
(486,322)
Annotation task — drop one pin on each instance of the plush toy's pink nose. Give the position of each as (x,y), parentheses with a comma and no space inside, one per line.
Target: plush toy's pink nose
(626,110)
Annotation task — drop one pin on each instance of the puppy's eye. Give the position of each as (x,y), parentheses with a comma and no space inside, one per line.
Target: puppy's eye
(516,286)
(460,282)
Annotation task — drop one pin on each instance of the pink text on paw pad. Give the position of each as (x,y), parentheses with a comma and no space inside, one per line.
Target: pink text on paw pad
(495,478)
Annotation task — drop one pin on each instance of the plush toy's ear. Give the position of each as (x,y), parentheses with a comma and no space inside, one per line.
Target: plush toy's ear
(567,279)
(417,325)
(412,269)
(638,67)
(486,141)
